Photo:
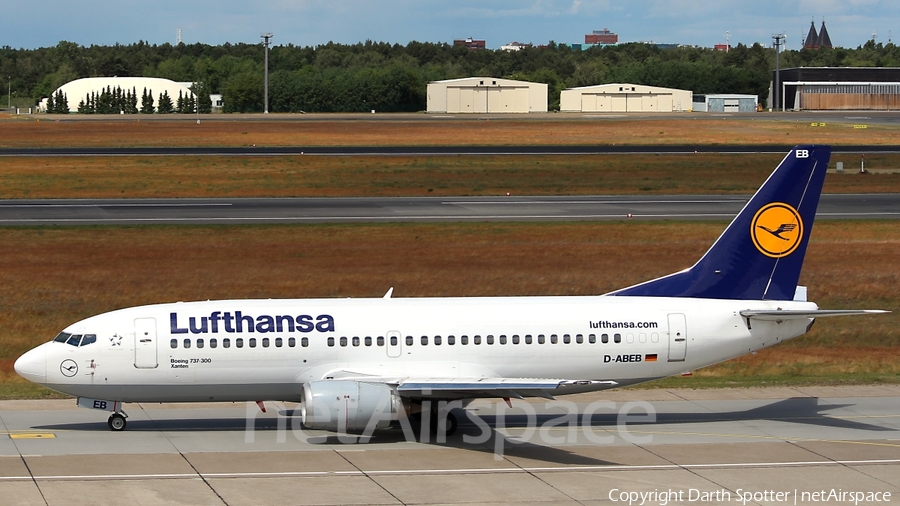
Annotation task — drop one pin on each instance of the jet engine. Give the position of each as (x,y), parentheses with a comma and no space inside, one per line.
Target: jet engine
(349,406)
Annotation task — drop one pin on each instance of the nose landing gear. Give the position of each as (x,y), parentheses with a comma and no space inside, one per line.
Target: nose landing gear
(117,422)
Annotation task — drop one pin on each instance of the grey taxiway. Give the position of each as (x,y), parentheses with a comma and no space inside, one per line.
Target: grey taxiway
(758,446)
(423,209)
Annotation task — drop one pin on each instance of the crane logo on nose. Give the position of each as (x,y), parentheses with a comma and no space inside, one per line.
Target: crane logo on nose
(68,368)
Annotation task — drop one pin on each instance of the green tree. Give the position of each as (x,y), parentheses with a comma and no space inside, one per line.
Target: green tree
(147,102)
(165,104)
(243,93)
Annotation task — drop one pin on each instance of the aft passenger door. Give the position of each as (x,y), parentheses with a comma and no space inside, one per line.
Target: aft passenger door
(677,337)
(145,343)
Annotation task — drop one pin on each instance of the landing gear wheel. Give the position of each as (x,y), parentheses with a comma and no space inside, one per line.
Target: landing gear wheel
(449,427)
(116,422)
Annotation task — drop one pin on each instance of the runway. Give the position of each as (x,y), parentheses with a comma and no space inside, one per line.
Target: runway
(421,209)
(428,150)
(728,446)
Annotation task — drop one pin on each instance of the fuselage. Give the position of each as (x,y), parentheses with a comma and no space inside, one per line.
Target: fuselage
(239,350)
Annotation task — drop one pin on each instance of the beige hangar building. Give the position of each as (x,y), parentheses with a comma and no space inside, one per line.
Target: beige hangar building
(486,95)
(624,98)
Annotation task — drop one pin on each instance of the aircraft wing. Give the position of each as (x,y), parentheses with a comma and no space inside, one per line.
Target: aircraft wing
(779,315)
(463,388)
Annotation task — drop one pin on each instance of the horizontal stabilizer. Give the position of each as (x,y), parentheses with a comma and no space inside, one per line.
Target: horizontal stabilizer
(775,316)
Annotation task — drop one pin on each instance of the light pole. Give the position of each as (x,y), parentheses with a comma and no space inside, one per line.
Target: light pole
(779,41)
(9,93)
(266,37)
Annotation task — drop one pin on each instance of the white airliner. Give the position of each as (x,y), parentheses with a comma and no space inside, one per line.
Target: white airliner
(358,363)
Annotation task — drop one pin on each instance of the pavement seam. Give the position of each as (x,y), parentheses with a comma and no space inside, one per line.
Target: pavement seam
(182,455)
(369,477)
(24,462)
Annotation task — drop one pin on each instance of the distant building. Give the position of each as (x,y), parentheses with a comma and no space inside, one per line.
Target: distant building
(486,95)
(470,43)
(80,89)
(514,46)
(603,36)
(817,40)
(725,103)
(722,47)
(624,98)
(837,89)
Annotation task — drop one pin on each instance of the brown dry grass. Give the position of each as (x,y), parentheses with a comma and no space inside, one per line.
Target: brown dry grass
(55,276)
(293,176)
(429,130)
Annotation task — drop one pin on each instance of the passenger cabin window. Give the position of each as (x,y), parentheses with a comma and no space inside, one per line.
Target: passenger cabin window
(515,339)
(355,340)
(187,343)
(226,342)
(527,338)
(451,340)
(617,338)
(343,341)
(424,341)
(476,339)
(540,338)
(503,339)
(379,341)
(463,340)
(437,340)
(393,340)
(409,340)
(567,339)
(368,340)
(604,338)
(592,338)
(330,341)
(251,342)
(199,343)
(554,339)
(265,342)
(579,338)
(173,343)
(304,342)
(239,342)
(213,342)
(490,339)
(279,342)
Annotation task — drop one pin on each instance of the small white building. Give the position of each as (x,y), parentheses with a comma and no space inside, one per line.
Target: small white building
(77,90)
(725,103)
(486,95)
(624,98)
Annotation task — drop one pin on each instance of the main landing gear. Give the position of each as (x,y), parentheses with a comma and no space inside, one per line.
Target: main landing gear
(117,421)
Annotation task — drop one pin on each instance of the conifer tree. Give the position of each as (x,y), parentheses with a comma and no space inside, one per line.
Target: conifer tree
(51,105)
(62,103)
(179,104)
(147,102)
(165,104)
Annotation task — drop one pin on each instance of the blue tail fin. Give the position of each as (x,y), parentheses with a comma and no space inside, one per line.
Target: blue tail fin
(760,254)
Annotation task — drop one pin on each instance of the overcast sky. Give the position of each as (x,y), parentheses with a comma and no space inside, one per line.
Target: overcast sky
(42,23)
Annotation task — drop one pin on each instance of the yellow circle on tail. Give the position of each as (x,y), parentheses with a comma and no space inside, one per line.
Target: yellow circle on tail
(777,230)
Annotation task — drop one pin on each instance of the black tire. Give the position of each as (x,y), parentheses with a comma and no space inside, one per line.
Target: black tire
(450,426)
(116,422)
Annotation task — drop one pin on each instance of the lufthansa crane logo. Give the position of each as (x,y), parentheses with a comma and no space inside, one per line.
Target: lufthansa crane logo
(777,230)
(68,368)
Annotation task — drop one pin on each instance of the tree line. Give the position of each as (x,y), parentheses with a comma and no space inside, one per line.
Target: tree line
(392,77)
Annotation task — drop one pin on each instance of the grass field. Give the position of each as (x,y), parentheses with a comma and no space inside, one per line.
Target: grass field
(317,176)
(553,129)
(61,275)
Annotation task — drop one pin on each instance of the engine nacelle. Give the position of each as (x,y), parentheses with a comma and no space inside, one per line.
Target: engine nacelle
(349,406)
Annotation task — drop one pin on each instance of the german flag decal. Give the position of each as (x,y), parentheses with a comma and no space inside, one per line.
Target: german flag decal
(650,358)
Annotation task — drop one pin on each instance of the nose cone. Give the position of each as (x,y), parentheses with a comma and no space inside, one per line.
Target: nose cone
(33,365)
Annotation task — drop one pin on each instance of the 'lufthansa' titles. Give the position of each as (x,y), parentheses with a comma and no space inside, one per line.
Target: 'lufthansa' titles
(237,322)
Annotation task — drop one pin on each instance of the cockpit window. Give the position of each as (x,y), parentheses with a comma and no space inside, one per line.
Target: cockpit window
(76,339)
